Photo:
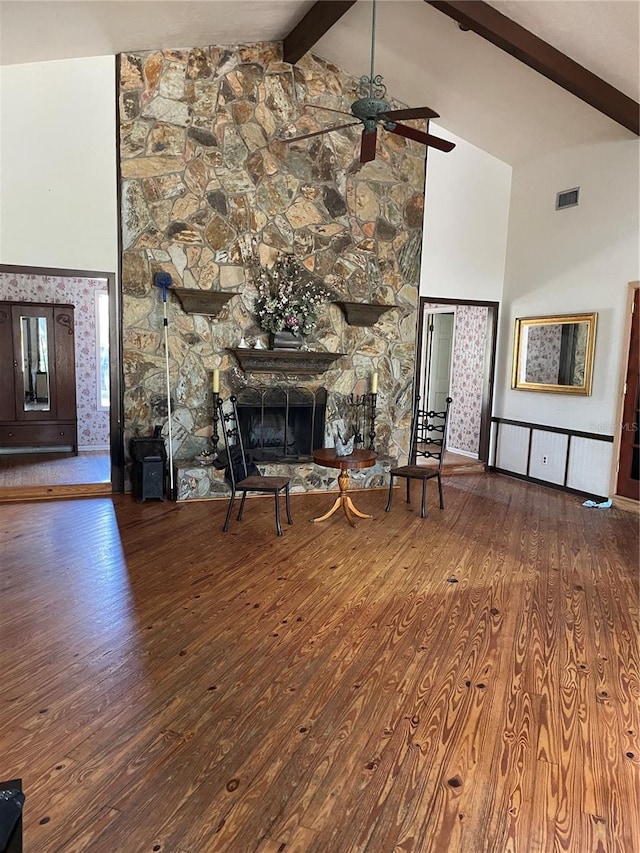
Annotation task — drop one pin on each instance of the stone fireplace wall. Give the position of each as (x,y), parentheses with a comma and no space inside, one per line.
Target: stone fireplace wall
(205,177)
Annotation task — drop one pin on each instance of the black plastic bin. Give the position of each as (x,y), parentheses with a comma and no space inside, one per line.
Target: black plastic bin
(148,468)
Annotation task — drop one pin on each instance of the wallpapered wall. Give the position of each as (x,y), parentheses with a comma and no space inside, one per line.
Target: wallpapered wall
(467,376)
(543,354)
(544,348)
(93,424)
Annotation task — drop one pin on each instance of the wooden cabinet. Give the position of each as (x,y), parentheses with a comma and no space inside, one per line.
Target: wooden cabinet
(37,376)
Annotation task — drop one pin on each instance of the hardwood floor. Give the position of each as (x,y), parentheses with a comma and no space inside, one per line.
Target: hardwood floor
(33,476)
(464,683)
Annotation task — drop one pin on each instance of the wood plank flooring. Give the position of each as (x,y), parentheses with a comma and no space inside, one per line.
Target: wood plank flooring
(37,476)
(464,683)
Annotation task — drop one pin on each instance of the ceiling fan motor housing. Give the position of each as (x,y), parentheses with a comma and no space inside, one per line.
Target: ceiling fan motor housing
(368,110)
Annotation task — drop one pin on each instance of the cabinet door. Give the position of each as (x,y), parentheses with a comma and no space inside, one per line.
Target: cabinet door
(34,362)
(65,373)
(7,369)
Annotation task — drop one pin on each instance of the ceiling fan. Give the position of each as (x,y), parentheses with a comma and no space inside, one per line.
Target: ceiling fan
(371,110)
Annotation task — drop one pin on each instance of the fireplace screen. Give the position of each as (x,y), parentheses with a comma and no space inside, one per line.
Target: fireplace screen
(282,424)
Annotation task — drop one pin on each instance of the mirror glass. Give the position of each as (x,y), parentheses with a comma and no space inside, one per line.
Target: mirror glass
(35,364)
(554,353)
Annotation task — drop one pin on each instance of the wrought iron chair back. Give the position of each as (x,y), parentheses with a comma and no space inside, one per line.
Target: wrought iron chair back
(428,441)
(428,434)
(241,472)
(233,443)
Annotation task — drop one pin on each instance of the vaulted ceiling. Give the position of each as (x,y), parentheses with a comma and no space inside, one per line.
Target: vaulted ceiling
(482,92)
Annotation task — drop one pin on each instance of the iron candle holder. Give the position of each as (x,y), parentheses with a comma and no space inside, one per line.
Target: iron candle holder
(364,406)
(215,437)
(372,419)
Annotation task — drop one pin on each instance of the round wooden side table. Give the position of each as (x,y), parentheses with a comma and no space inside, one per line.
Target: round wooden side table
(357,459)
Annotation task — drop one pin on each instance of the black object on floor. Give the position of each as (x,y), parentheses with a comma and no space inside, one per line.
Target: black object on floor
(148,468)
(11,803)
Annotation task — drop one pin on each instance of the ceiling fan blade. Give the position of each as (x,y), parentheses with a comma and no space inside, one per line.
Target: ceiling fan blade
(368,145)
(326,109)
(412,112)
(318,132)
(424,138)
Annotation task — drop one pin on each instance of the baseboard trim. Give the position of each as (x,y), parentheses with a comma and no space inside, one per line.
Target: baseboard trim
(466,453)
(13,494)
(559,487)
(627,504)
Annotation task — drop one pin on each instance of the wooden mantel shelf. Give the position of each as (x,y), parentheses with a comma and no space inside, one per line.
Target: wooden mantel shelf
(195,301)
(299,362)
(363,313)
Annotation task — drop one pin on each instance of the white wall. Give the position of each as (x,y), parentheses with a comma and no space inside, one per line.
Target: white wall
(465,223)
(494,234)
(58,165)
(572,261)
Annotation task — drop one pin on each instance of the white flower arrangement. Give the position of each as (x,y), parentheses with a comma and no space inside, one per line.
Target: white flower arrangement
(288,297)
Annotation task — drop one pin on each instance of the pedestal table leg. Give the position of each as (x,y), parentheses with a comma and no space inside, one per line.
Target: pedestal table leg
(343,500)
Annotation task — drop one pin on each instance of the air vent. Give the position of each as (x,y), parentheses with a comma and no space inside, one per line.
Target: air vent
(567,198)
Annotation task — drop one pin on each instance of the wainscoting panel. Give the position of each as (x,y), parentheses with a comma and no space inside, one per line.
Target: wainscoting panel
(513,448)
(552,447)
(590,464)
(576,461)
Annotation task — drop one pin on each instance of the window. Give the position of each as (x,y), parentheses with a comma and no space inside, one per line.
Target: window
(102,348)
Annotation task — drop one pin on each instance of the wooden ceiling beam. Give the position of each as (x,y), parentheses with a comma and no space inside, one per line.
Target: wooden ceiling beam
(318,20)
(543,58)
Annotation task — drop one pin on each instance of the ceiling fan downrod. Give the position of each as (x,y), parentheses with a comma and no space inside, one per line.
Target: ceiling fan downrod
(371,89)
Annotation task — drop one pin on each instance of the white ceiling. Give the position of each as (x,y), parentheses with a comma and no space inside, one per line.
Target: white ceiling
(482,94)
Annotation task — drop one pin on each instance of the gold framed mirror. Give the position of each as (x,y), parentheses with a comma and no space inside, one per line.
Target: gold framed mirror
(554,353)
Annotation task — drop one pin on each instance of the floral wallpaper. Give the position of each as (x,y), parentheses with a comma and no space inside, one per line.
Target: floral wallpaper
(93,424)
(543,353)
(467,376)
(556,353)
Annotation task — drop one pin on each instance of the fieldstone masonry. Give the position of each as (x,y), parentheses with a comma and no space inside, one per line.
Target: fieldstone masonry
(207,181)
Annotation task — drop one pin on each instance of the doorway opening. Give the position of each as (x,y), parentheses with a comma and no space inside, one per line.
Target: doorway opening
(456,358)
(98,466)
(435,377)
(628,438)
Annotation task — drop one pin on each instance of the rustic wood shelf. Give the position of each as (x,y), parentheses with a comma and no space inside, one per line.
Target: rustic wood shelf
(363,313)
(196,301)
(299,362)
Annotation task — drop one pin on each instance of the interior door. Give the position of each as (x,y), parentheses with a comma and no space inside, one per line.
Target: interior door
(441,345)
(485,375)
(629,462)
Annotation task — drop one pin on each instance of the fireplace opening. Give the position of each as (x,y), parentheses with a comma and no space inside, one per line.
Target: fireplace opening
(282,424)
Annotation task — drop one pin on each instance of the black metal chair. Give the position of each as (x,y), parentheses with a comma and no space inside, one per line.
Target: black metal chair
(428,436)
(241,473)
